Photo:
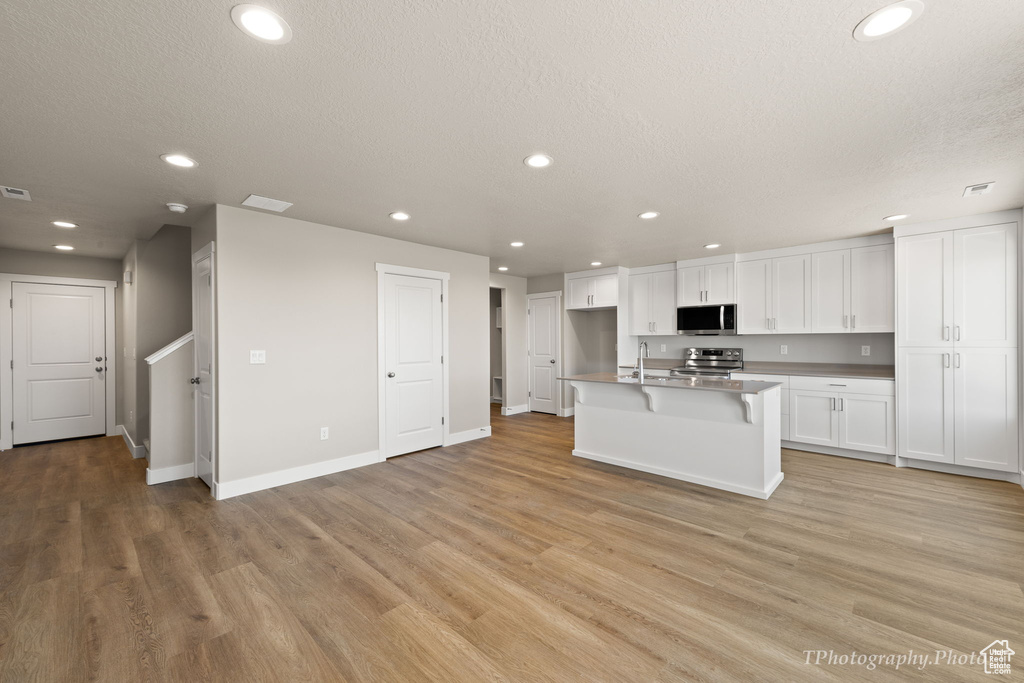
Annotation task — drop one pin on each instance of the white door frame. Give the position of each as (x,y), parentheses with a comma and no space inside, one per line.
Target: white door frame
(559,395)
(7,348)
(204,251)
(387,269)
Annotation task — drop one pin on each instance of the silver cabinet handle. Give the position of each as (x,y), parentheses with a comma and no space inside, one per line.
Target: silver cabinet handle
(391,374)
(957,328)
(768,323)
(655,327)
(833,404)
(945,333)
(841,406)
(958,360)
(853,322)
(945,359)
(846,321)
(837,385)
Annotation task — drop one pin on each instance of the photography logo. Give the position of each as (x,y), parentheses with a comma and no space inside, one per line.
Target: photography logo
(997,657)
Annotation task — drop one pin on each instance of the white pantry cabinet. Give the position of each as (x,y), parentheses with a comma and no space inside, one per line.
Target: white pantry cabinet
(652,303)
(711,284)
(597,291)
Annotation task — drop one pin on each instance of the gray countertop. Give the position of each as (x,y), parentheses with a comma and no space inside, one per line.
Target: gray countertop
(848,370)
(734,386)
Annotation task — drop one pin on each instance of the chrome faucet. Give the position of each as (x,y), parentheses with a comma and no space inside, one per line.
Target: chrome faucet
(638,370)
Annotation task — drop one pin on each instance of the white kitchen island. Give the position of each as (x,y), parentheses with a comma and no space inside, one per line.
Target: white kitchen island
(715,432)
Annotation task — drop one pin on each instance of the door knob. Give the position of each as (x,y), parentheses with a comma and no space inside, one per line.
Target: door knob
(552,360)
(99,369)
(391,374)
(99,358)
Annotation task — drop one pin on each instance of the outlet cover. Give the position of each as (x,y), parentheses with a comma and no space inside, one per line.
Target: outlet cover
(323,433)
(865,350)
(664,348)
(783,349)
(257,357)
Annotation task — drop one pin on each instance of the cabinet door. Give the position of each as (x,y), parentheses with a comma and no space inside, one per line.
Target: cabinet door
(924,401)
(580,290)
(791,294)
(640,305)
(830,291)
(867,423)
(872,301)
(813,417)
(924,290)
(719,281)
(606,290)
(985,286)
(663,302)
(985,423)
(753,296)
(691,286)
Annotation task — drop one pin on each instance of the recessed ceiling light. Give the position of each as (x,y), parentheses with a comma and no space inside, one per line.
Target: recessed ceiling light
(648,215)
(516,244)
(896,217)
(538,160)
(175,207)
(63,247)
(65,224)
(887,20)
(502,267)
(595,263)
(179,160)
(261,24)
(712,246)
(400,216)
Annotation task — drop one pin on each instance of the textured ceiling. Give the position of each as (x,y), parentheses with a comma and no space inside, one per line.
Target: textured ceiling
(755,124)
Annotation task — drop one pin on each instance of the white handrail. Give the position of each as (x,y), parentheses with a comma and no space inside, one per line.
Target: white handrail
(170,348)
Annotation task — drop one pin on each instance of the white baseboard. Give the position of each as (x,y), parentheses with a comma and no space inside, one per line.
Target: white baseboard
(136,451)
(513,410)
(165,474)
(1013,477)
(841,452)
(683,476)
(566,412)
(468,435)
(260,482)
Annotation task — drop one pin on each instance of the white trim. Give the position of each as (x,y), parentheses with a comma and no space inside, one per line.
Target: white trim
(659,268)
(170,348)
(174,473)
(515,410)
(567,412)
(469,435)
(261,482)
(841,452)
(683,476)
(136,451)
(607,270)
(817,247)
(980,220)
(560,391)
(384,269)
(706,261)
(7,281)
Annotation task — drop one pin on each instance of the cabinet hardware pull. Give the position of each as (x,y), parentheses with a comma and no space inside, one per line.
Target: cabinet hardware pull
(957,328)
(958,360)
(837,385)
(945,333)
(853,322)
(841,405)
(833,404)
(846,321)
(945,358)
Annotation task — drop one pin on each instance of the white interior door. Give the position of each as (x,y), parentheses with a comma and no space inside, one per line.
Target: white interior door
(59,361)
(544,354)
(413,349)
(204,376)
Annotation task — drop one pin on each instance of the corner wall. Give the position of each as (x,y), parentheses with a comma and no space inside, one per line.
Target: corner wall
(307,294)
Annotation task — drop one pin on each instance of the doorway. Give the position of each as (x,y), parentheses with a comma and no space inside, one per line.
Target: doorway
(544,311)
(412,349)
(204,377)
(57,361)
(497,374)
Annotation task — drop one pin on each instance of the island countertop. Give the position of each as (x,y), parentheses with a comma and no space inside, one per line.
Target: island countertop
(734,386)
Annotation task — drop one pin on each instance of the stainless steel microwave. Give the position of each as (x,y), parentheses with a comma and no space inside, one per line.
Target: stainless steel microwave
(706,320)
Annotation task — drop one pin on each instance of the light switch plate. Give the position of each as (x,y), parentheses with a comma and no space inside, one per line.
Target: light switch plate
(257,357)
(783,349)
(865,350)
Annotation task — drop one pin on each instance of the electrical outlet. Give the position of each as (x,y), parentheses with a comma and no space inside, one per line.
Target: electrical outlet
(257,357)
(664,348)
(783,349)
(865,350)
(323,433)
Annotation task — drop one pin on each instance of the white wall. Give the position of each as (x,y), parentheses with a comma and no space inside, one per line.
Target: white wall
(127,376)
(307,295)
(514,335)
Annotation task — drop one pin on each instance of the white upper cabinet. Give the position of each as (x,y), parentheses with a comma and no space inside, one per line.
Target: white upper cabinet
(924,290)
(700,285)
(872,300)
(754,297)
(830,291)
(791,294)
(652,303)
(597,291)
(985,286)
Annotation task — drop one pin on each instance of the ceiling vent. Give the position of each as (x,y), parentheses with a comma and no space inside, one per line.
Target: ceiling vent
(975,190)
(258,202)
(15,193)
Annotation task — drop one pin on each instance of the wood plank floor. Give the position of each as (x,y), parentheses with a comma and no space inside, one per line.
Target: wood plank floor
(503,559)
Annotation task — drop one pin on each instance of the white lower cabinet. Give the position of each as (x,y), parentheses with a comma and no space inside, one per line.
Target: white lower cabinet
(867,423)
(857,414)
(813,417)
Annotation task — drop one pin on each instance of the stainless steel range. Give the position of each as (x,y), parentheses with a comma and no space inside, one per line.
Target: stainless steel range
(717,362)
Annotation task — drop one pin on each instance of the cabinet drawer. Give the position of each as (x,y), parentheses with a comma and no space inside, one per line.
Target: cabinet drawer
(877,387)
(755,377)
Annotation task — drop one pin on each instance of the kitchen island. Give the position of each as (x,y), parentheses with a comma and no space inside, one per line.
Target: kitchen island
(720,433)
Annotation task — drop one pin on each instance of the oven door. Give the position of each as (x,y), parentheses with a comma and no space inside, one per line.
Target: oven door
(706,320)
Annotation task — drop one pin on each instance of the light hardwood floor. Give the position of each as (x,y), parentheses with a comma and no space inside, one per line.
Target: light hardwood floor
(501,559)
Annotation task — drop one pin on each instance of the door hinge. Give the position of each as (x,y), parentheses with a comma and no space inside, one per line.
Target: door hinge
(442,419)
(12,303)
(442,298)
(12,365)
(529,393)
(442,360)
